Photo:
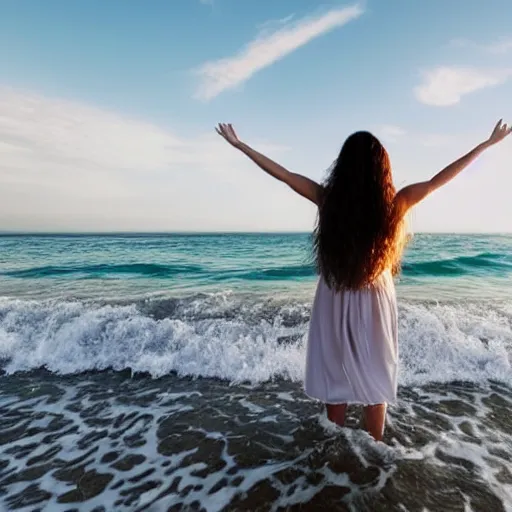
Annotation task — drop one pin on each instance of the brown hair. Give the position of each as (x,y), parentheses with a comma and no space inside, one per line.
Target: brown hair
(359,229)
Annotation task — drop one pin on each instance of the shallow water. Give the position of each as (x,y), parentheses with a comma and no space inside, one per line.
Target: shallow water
(105,441)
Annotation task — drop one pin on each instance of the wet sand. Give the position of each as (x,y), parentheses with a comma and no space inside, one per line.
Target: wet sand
(107,441)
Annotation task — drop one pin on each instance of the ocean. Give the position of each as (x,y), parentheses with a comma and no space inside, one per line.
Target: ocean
(164,372)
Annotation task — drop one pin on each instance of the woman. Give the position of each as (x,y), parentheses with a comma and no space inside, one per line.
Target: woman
(352,354)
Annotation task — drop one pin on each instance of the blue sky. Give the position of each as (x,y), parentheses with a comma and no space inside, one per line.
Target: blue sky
(107,109)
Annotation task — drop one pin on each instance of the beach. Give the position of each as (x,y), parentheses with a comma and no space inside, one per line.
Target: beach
(164,372)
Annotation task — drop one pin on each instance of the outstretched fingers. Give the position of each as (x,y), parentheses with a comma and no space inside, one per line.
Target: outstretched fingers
(221,130)
(228,132)
(232,130)
(506,130)
(501,130)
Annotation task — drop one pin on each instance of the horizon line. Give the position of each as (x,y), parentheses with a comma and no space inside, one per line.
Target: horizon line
(219,232)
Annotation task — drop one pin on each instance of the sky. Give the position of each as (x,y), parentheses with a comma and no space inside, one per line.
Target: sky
(108,109)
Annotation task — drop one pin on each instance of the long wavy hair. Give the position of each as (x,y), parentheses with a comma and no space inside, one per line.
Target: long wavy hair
(359,232)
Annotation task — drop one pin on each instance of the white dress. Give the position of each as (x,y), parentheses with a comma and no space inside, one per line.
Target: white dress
(352,354)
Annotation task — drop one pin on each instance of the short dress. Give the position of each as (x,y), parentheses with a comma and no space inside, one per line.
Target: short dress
(352,351)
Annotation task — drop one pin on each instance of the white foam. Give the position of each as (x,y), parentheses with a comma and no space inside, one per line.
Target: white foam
(444,343)
(286,396)
(253,408)
(454,442)
(438,343)
(146,421)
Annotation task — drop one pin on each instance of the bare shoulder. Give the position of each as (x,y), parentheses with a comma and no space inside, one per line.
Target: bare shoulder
(401,202)
(411,195)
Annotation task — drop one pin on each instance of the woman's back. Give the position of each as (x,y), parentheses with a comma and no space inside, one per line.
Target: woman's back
(358,232)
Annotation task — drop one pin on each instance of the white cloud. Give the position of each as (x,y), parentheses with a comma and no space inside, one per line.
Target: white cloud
(72,166)
(438,140)
(272,25)
(37,130)
(78,135)
(412,137)
(219,75)
(390,133)
(501,46)
(444,86)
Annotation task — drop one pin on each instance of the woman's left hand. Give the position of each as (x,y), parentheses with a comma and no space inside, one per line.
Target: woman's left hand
(228,132)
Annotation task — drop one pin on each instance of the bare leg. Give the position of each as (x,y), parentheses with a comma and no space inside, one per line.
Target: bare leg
(374,420)
(336,413)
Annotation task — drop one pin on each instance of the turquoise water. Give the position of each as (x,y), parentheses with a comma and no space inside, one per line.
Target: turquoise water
(435,266)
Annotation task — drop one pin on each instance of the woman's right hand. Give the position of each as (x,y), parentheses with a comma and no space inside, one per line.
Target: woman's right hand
(501,130)
(228,132)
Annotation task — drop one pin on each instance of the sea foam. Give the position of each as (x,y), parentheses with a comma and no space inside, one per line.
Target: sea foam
(223,337)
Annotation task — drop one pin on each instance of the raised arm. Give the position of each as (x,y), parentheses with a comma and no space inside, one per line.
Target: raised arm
(302,185)
(413,194)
